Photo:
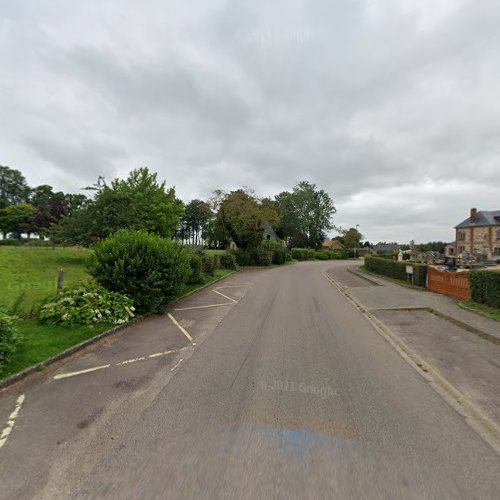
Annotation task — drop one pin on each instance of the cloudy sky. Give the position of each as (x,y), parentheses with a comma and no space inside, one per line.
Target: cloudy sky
(392,106)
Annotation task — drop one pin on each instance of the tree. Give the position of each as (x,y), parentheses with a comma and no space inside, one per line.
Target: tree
(243,216)
(138,202)
(305,215)
(50,208)
(16,219)
(196,217)
(352,237)
(13,187)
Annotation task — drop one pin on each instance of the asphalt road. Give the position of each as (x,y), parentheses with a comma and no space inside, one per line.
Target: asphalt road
(288,393)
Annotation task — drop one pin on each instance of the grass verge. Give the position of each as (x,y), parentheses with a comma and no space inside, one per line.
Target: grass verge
(29,274)
(39,342)
(481,308)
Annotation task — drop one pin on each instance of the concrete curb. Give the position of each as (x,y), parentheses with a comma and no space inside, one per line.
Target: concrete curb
(482,424)
(360,275)
(16,377)
(465,308)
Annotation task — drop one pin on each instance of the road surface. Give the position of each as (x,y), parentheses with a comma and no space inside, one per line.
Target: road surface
(287,392)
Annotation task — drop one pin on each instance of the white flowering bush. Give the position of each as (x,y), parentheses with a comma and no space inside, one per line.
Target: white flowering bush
(86,305)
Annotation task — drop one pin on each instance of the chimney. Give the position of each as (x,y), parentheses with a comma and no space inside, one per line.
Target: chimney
(473,214)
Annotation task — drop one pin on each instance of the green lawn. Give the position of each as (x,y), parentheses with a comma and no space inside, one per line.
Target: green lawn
(489,311)
(28,275)
(39,342)
(215,252)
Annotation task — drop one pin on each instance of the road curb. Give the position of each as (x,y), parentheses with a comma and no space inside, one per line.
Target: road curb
(465,308)
(360,275)
(16,377)
(474,416)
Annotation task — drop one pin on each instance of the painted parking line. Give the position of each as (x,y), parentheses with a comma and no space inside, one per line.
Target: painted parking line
(177,364)
(60,376)
(180,327)
(80,372)
(203,307)
(12,420)
(225,296)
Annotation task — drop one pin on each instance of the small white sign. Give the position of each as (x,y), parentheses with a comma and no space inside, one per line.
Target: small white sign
(409,269)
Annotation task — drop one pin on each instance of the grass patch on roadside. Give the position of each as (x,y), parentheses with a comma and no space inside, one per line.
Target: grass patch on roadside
(214,252)
(489,311)
(28,275)
(39,342)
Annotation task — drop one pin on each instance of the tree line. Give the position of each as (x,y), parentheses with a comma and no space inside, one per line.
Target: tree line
(300,217)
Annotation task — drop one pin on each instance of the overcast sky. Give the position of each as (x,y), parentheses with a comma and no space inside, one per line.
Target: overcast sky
(392,106)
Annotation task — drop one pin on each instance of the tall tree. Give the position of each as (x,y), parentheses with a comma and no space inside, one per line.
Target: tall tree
(16,219)
(138,202)
(305,214)
(243,216)
(196,216)
(50,208)
(13,187)
(352,237)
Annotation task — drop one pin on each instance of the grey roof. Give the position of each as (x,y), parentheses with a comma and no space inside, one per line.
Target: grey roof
(482,219)
(386,247)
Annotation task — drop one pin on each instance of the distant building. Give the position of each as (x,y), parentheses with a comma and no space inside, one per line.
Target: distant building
(450,249)
(332,245)
(386,248)
(269,232)
(479,234)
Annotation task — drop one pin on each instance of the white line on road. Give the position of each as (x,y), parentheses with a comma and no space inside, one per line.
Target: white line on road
(176,365)
(12,420)
(203,307)
(81,372)
(180,327)
(128,361)
(225,296)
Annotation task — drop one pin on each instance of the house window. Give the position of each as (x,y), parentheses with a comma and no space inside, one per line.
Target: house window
(498,234)
(461,249)
(461,235)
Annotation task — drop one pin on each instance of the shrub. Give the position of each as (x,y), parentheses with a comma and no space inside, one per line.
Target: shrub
(261,257)
(242,256)
(337,254)
(10,242)
(323,255)
(278,250)
(8,337)
(303,253)
(210,263)
(196,267)
(87,304)
(397,270)
(146,267)
(228,261)
(485,287)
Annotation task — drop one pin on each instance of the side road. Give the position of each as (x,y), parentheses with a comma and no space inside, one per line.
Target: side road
(462,347)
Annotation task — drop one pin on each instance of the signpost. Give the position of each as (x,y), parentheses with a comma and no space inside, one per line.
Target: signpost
(409,273)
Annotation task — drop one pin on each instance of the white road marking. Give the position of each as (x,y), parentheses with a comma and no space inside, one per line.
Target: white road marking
(81,372)
(203,307)
(225,296)
(232,286)
(180,327)
(123,363)
(128,361)
(12,420)
(177,364)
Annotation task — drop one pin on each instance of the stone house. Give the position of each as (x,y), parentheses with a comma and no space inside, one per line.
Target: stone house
(479,234)
(332,245)
(450,249)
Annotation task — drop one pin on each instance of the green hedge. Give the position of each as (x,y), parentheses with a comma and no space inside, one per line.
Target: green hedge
(303,254)
(485,287)
(397,270)
(8,337)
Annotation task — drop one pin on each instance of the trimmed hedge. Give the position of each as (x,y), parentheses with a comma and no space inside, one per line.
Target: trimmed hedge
(303,254)
(485,287)
(228,261)
(196,266)
(8,337)
(397,270)
(143,266)
(278,249)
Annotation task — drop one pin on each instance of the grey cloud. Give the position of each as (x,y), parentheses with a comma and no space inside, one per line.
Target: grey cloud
(391,106)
